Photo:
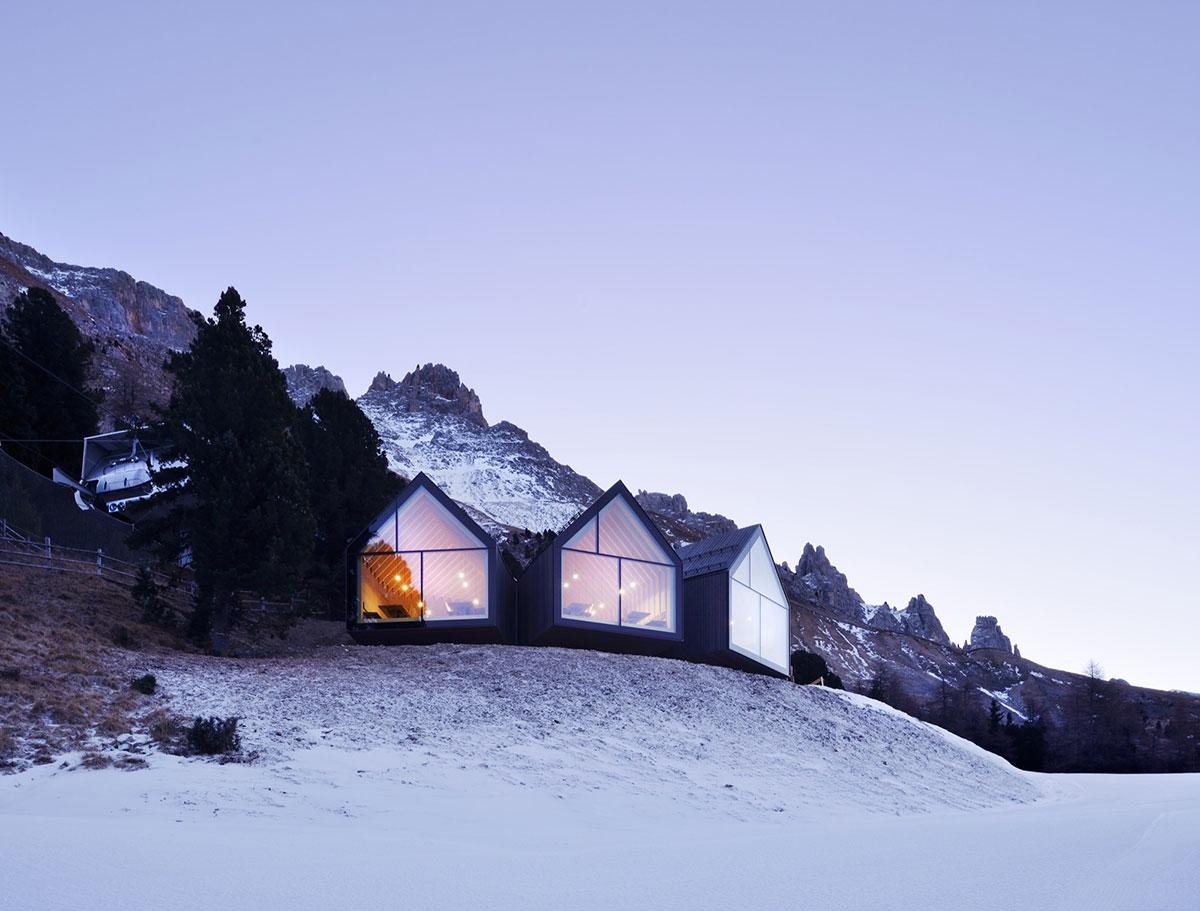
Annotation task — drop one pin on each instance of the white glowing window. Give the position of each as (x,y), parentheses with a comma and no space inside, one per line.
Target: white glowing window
(423,523)
(647,595)
(584,539)
(454,584)
(629,582)
(622,534)
(743,618)
(590,588)
(759,618)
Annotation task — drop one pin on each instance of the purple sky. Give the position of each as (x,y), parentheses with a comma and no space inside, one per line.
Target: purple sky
(915,281)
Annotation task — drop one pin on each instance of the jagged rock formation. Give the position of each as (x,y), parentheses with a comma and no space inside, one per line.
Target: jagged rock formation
(303,382)
(133,324)
(430,421)
(987,634)
(435,388)
(919,619)
(679,523)
(817,581)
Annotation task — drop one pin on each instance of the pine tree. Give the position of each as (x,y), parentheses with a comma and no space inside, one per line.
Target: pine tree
(349,482)
(52,359)
(237,500)
(994,717)
(16,413)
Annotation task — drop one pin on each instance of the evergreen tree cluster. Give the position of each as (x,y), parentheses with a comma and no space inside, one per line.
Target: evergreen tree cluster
(261,496)
(46,407)
(1101,729)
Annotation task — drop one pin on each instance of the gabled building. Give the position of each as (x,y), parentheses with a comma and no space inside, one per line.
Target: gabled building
(608,581)
(424,571)
(735,612)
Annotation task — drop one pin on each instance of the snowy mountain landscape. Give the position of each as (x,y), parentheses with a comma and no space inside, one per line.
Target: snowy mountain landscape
(545,777)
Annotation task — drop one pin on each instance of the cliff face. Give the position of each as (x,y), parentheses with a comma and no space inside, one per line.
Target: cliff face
(133,324)
(433,388)
(987,634)
(303,382)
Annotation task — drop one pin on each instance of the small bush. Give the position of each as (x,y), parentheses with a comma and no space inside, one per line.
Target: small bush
(165,729)
(214,736)
(807,667)
(145,595)
(146,684)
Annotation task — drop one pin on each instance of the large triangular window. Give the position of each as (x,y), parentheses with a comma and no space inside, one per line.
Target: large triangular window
(759,623)
(616,573)
(423,565)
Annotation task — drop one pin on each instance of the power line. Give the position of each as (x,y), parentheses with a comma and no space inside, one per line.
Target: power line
(50,373)
(15,440)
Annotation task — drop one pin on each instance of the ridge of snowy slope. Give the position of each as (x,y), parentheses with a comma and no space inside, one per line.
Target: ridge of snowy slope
(577,723)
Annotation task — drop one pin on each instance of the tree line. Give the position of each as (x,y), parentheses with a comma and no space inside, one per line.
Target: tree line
(1101,727)
(258,496)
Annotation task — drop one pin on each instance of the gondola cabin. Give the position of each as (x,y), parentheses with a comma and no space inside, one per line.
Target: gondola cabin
(609,581)
(424,571)
(735,612)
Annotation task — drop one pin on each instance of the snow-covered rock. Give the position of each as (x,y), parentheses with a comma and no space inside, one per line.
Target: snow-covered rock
(987,634)
(430,421)
(303,382)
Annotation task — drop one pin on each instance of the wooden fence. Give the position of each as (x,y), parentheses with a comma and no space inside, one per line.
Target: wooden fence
(18,548)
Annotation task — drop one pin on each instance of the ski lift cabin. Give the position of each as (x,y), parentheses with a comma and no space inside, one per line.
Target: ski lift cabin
(608,581)
(117,468)
(734,607)
(424,571)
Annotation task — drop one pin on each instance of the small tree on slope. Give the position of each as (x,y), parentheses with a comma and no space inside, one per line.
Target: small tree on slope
(238,500)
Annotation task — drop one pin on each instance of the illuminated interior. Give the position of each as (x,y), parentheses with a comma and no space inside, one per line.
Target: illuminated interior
(422,564)
(758,612)
(615,573)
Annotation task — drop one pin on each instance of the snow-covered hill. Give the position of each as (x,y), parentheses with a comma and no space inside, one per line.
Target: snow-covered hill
(506,778)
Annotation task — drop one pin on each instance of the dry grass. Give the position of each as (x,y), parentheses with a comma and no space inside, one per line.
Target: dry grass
(67,643)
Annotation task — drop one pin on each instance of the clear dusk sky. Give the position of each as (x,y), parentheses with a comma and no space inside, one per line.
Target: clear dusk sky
(916,281)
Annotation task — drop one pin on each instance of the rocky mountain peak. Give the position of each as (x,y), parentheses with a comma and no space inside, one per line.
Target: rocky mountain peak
(920,620)
(430,388)
(383,382)
(987,634)
(818,580)
(303,382)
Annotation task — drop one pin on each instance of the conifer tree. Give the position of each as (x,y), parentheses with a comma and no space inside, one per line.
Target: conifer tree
(16,414)
(349,482)
(237,500)
(52,358)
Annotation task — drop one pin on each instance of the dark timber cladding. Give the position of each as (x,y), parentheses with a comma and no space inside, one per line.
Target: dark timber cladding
(424,571)
(735,612)
(608,581)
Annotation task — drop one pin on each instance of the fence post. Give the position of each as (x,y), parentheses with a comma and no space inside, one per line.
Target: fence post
(49,553)
(99,561)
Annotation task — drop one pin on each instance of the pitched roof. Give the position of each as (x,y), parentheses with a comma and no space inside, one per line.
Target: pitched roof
(717,553)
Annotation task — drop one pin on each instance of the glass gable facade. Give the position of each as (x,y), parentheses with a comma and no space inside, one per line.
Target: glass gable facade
(615,573)
(422,564)
(758,611)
